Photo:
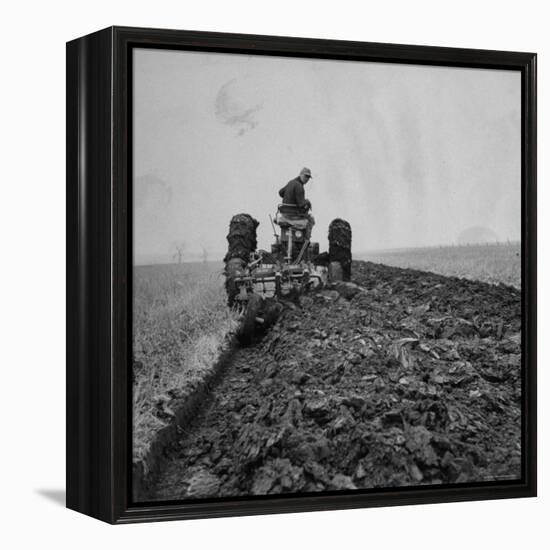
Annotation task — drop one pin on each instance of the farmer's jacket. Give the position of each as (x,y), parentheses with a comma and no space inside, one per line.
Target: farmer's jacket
(293,193)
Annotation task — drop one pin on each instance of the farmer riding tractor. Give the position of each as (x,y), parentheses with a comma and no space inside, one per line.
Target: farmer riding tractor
(257,281)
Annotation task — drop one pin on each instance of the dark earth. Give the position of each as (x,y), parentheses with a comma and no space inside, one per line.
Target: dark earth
(399,378)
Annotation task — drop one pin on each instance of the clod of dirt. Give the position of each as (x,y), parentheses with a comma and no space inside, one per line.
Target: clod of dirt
(340,481)
(347,289)
(203,484)
(329,295)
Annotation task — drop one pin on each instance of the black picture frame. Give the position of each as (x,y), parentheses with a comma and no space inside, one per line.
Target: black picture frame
(99,279)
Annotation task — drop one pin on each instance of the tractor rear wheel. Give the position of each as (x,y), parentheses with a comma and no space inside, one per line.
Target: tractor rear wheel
(241,241)
(241,238)
(339,246)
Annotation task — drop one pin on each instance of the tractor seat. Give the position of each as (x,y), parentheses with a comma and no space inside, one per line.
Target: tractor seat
(290,215)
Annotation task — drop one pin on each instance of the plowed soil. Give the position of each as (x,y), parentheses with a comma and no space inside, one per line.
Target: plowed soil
(403,378)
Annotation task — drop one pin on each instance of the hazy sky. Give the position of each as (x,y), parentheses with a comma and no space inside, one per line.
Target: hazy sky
(409,155)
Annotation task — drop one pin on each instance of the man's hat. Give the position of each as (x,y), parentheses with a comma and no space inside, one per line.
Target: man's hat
(305,172)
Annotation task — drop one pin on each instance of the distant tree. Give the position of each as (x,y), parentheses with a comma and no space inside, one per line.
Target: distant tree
(179,253)
(204,255)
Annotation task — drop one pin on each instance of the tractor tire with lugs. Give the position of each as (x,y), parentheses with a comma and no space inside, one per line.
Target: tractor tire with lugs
(241,238)
(241,241)
(339,245)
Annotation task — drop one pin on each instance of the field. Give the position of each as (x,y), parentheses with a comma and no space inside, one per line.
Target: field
(491,263)
(180,325)
(181,320)
(403,378)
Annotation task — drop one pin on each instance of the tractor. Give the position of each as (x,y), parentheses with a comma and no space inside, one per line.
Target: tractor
(258,281)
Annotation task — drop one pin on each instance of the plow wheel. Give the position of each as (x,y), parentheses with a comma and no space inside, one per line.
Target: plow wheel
(247,330)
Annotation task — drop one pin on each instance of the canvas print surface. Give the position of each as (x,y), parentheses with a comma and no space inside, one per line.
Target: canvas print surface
(326,275)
